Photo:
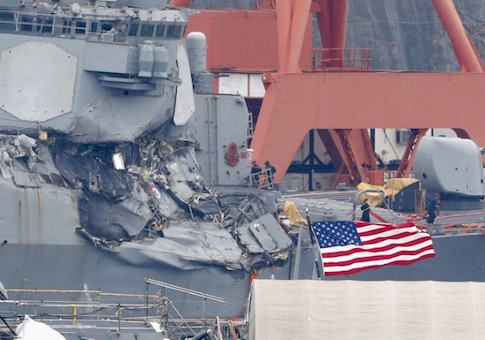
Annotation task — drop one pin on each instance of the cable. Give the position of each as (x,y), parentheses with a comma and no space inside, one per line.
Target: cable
(8,326)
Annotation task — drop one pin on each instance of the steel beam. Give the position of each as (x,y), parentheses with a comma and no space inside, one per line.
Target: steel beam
(362,101)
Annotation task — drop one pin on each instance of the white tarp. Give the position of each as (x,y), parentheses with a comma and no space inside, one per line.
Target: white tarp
(323,309)
(33,330)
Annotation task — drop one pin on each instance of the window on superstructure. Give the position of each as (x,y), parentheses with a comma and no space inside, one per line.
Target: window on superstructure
(160,31)
(7,21)
(25,23)
(81,27)
(36,27)
(133,30)
(173,31)
(147,30)
(66,26)
(94,27)
(46,25)
(106,26)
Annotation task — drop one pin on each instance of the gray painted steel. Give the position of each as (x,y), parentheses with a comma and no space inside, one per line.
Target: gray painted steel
(113,81)
(450,166)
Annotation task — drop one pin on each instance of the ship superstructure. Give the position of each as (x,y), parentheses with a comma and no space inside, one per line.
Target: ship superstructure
(94,73)
(104,116)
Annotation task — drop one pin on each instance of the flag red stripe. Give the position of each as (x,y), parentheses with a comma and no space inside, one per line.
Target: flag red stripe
(359,249)
(381,230)
(375,257)
(360,224)
(393,237)
(399,263)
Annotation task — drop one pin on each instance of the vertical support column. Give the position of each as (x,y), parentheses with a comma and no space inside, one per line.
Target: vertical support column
(283,23)
(299,20)
(274,131)
(339,29)
(324,23)
(332,25)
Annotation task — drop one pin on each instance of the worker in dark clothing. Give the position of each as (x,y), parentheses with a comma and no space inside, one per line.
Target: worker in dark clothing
(255,172)
(365,211)
(433,208)
(270,170)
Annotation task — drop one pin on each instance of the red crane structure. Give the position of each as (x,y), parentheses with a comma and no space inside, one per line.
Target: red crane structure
(332,89)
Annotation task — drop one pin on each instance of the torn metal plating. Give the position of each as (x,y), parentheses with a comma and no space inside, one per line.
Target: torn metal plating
(157,209)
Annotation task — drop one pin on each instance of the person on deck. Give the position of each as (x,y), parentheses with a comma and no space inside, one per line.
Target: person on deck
(270,170)
(255,172)
(433,208)
(365,211)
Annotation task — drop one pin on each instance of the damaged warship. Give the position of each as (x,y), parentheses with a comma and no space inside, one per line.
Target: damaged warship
(115,164)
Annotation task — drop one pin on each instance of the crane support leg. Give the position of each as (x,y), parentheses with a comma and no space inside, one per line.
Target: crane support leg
(465,51)
(407,159)
(362,101)
(358,156)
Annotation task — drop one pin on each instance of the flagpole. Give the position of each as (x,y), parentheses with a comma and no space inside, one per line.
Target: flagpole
(317,256)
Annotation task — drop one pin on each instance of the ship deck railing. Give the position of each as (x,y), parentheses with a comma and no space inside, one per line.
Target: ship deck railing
(263,179)
(100,311)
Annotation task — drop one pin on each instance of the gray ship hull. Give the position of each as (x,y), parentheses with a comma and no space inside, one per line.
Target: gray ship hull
(63,267)
(84,267)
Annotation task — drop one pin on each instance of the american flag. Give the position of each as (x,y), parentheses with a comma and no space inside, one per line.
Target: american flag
(350,247)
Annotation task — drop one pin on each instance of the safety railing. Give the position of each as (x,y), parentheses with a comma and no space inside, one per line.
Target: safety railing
(64,308)
(341,59)
(93,28)
(71,310)
(263,179)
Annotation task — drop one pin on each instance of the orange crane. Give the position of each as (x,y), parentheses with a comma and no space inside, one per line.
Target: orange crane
(335,92)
